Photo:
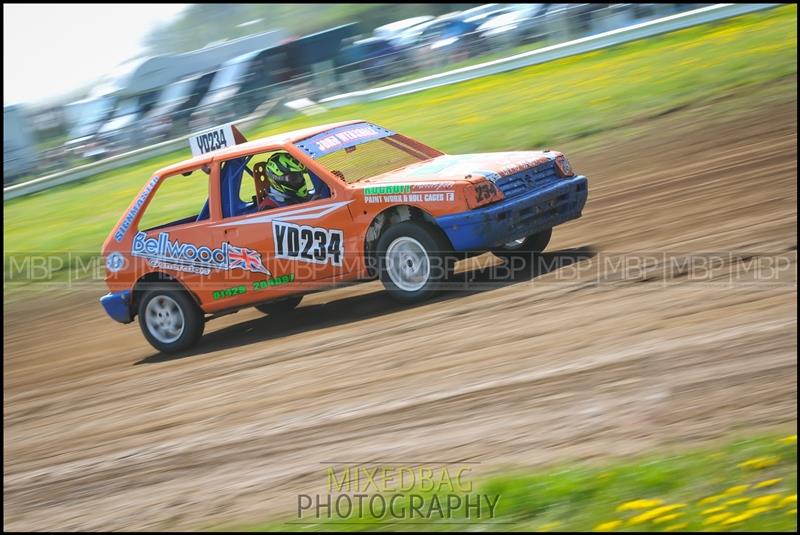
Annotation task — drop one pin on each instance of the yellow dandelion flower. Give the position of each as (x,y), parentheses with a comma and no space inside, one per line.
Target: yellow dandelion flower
(668,518)
(738,489)
(608,526)
(738,518)
(769,461)
(676,527)
(768,483)
(791,439)
(747,515)
(764,500)
(655,513)
(792,511)
(709,499)
(760,462)
(639,504)
(549,526)
(737,501)
(717,518)
(714,510)
(788,500)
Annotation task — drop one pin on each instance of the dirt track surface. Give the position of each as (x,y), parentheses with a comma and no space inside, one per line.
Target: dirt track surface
(573,363)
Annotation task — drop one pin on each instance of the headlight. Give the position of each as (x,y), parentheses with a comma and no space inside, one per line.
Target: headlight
(563,166)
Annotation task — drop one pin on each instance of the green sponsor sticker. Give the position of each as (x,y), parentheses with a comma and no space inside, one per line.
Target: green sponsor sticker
(387,190)
(275,281)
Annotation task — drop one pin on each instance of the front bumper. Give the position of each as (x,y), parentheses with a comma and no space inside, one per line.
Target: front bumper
(118,306)
(490,226)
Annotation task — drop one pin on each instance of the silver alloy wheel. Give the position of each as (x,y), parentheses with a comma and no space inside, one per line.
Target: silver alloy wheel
(164,319)
(408,264)
(516,244)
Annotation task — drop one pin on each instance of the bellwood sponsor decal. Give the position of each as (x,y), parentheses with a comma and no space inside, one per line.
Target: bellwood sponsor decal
(163,252)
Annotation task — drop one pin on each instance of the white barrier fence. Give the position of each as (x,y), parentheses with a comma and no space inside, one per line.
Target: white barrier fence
(549,53)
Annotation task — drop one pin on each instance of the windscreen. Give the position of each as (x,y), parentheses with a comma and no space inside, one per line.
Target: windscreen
(228,75)
(89,111)
(176,91)
(362,150)
(128,106)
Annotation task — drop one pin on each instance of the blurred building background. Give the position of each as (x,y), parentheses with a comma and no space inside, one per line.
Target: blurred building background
(217,63)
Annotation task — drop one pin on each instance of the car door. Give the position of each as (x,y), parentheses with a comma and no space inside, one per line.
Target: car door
(169,234)
(285,250)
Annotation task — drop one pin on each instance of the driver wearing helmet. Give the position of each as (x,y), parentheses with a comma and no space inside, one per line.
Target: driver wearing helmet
(289,182)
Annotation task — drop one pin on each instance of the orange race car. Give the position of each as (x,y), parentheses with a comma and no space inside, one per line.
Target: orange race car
(297,212)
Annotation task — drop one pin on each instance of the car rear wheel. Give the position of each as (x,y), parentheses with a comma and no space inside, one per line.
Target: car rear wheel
(521,253)
(414,259)
(280,306)
(170,320)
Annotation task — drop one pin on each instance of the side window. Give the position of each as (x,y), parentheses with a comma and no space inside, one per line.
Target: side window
(245,187)
(234,174)
(178,200)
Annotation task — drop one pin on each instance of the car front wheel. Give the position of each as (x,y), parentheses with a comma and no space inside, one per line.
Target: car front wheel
(414,259)
(170,320)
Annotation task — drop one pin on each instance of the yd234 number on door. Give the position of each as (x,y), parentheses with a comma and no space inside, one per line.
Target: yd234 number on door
(309,244)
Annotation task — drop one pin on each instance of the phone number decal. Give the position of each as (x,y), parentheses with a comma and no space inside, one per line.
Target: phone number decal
(230,292)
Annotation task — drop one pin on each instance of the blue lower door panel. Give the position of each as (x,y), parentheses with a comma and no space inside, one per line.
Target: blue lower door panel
(518,217)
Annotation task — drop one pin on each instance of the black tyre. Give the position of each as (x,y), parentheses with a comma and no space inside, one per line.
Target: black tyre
(414,260)
(521,253)
(169,318)
(281,306)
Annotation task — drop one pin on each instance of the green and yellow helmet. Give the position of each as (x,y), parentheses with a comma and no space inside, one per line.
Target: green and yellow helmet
(288,177)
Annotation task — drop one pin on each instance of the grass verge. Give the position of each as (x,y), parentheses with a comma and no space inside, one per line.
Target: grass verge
(746,485)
